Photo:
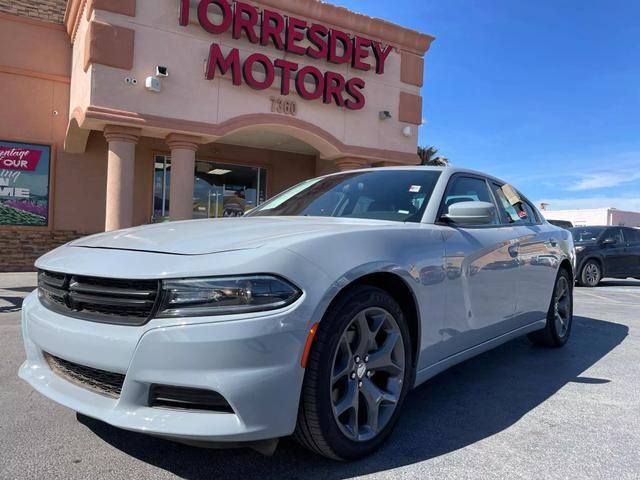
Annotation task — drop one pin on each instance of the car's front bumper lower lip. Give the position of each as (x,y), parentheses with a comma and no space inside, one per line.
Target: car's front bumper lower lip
(253,362)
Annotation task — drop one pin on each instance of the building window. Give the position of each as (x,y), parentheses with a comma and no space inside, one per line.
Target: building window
(219,189)
(24,184)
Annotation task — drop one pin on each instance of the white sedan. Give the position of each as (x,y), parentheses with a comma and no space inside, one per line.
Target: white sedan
(312,316)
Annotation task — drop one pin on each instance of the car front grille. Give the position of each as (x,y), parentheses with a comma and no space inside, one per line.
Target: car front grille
(105,300)
(99,381)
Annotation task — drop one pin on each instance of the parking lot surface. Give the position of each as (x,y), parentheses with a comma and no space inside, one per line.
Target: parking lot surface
(516,412)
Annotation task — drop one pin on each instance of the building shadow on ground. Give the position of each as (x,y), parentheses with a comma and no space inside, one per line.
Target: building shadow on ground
(14,301)
(467,403)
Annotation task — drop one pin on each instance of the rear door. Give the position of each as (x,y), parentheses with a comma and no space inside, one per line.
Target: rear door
(481,264)
(538,255)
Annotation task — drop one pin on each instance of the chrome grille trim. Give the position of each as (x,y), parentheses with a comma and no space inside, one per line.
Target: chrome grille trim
(98,381)
(104,300)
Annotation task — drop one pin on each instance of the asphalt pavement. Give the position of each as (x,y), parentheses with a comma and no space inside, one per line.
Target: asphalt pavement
(516,412)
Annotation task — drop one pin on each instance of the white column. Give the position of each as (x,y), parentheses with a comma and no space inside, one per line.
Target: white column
(120,176)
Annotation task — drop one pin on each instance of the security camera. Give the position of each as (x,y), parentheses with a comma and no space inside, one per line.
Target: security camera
(162,71)
(385,115)
(153,84)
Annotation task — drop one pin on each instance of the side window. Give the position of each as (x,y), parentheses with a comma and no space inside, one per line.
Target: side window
(466,189)
(508,213)
(614,234)
(632,235)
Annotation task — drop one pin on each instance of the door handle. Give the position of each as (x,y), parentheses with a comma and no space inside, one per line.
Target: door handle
(513,251)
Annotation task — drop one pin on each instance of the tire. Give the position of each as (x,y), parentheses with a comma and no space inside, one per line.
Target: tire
(557,330)
(591,274)
(338,375)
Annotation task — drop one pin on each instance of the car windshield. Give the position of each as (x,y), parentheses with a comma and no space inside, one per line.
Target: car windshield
(586,235)
(394,195)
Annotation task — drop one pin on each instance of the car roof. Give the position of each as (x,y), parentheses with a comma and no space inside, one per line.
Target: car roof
(448,171)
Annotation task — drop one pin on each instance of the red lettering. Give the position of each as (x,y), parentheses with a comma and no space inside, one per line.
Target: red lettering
(354,88)
(272,27)
(287,68)
(246,23)
(268,68)
(361,49)
(317,35)
(381,53)
(295,34)
(208,25)
(334,88)
(217,61)
(301,87)
(184,13)
(335,37)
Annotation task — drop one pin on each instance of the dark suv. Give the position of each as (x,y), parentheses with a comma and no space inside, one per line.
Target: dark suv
(606,252)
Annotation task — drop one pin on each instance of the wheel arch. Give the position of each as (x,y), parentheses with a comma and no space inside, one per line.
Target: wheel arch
(589,258)
(396,286)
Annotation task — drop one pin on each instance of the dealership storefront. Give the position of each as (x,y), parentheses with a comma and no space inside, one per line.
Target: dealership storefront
(142,111)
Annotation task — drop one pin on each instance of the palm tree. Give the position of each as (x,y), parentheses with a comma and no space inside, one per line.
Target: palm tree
(428,157)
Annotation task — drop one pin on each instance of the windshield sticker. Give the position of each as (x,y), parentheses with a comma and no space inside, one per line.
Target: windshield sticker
(415,188)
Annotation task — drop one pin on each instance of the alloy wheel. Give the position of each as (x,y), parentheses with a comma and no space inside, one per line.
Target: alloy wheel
(592,274)
(367,374)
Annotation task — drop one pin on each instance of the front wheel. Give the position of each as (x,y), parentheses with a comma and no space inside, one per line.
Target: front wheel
(591,274)
(560,315)
(357,377)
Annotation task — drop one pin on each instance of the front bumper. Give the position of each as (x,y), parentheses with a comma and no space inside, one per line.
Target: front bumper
(253,361)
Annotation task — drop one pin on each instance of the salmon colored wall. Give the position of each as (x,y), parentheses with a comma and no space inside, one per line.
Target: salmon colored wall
(35,64)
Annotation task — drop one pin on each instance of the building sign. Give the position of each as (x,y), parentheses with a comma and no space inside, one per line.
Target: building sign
(24,184)
(289,34)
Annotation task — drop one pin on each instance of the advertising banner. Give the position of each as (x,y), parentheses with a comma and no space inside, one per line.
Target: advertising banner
(24,184)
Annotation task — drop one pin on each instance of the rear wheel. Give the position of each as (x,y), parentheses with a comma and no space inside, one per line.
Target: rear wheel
(591,274)
(560,315)
(357,376)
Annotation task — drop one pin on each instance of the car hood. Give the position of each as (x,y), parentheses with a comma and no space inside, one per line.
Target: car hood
(202,237)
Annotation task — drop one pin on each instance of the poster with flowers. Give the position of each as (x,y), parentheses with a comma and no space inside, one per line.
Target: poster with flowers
(24,184)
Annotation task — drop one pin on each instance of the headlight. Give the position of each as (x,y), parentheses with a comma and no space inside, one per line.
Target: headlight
(199,297)
(579,249)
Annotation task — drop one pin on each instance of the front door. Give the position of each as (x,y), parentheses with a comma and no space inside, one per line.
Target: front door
(482,272)
(614,251)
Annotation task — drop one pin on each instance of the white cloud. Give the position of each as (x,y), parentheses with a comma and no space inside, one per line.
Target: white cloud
(621,203)
(592,181)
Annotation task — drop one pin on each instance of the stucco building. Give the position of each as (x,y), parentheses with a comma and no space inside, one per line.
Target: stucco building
(595,216)
(118,113)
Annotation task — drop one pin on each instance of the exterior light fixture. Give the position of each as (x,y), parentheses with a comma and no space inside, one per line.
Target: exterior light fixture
(407,131)
(385,115)
(219,171)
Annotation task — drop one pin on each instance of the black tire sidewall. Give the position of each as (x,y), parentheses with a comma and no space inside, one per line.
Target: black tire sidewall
(334,324)
(551,321)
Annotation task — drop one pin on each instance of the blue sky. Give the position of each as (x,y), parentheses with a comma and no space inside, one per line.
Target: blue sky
(544,93)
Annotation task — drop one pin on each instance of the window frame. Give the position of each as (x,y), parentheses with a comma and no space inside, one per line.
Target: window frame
(525,200)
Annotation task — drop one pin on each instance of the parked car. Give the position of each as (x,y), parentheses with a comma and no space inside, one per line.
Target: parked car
(605,251)
(561,223)
(313,316)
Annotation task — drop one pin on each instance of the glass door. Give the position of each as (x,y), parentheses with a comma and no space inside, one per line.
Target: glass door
(219,190)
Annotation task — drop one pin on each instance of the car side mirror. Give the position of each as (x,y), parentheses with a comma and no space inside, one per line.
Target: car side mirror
(471,213)
(609,241)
